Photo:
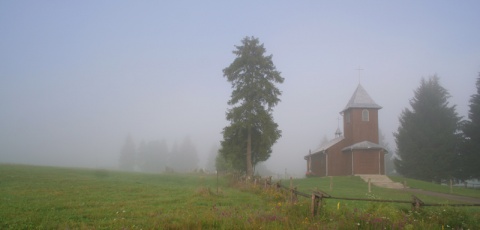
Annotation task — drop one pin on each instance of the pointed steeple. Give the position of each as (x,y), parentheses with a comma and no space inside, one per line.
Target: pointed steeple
(361,99)
(338,133)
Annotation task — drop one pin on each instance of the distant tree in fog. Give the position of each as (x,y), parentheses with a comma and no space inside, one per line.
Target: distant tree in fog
(174,158)
(189,152)
(211,158)
(427,137)
(471,145)
(141,156)
(184,158)
(323,141)
(127,154)
(153,156)
(252,131)
(262,170)
(389,159)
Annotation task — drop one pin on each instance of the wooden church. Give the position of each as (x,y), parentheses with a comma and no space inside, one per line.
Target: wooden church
(358,150)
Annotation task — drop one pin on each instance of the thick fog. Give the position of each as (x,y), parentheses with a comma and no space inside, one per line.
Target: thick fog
(77,78)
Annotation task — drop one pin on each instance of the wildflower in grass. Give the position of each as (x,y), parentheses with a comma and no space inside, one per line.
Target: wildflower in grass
(305,221)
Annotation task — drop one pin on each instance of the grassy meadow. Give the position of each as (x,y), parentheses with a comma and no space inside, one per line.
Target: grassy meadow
(457,190)
(33,197)
(355,187)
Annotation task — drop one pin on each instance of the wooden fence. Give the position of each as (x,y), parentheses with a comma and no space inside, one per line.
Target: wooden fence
(318,196)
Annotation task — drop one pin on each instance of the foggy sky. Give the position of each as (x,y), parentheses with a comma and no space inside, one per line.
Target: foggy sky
(77,77)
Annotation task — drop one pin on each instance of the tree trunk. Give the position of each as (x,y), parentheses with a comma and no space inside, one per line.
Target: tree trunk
(249,154)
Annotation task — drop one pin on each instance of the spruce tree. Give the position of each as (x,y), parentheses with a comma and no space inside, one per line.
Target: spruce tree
(153,156)
(471,131)
(184,157)
(128,154)
(252,132)
(427,137)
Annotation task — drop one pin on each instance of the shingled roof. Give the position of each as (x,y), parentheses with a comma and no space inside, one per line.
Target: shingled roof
(328,144)
(361,99)
(363,145)
(325,146)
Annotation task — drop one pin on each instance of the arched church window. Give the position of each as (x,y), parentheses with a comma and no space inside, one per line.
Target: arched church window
(365,115)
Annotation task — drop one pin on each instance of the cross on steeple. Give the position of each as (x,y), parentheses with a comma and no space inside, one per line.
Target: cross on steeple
(359,72)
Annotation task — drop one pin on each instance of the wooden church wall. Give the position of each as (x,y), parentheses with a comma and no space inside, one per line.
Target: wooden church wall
(318,164)
(336,160)
(358,130)
(368,162)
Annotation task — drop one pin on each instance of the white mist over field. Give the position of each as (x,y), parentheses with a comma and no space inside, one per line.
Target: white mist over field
(76,78)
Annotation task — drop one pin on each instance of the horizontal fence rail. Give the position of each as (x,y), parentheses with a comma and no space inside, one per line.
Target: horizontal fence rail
(318,196)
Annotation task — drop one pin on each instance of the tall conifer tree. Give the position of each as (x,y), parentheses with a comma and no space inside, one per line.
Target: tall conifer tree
(427,137)
(252,131)
(471,131)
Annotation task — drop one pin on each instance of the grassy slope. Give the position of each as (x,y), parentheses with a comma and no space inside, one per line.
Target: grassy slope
(412,183)
(355,187)
(51,198)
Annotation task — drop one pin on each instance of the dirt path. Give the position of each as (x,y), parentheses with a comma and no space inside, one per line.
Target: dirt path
(463,199)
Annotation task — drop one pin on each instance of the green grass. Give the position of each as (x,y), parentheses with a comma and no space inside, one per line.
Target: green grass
(462,191)
(355,187)
(51,198)
(34,197)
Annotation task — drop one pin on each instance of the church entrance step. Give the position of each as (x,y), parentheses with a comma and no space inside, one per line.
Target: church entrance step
(381,181)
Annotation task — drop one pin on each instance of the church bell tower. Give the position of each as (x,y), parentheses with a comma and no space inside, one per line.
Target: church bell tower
(360,118)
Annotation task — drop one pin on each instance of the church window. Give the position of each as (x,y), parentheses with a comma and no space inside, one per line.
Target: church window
(365,115)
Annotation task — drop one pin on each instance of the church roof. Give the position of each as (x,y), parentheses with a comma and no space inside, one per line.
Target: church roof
(361,99)
(363,145)
(328,144)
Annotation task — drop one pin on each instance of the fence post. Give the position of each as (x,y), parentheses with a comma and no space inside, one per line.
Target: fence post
(320,202)
(331,183)
(417,203)
(314,205)
(317,199)
(293,195)
(369,185)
